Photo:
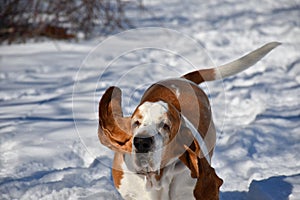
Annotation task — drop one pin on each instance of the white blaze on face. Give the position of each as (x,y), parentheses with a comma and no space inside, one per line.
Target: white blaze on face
(153,114)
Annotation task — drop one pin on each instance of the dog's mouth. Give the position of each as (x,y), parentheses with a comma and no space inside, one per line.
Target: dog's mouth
(151,176)
(148,173)
(146,164)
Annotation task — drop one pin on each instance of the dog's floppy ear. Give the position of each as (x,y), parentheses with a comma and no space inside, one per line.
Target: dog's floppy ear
(114,129)
(190,158)
(188,148)
(208,183)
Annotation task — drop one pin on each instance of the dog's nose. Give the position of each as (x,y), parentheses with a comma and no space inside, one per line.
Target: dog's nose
(143,144)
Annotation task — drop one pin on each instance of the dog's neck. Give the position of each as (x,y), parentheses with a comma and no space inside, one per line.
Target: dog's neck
(161,179)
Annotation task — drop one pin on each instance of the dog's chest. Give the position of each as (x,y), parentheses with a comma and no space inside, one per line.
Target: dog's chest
(175,184)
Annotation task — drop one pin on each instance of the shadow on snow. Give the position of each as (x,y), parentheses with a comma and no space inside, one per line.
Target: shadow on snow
(273,188)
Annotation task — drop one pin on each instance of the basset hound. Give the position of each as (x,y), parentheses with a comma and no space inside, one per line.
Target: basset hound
(163,151)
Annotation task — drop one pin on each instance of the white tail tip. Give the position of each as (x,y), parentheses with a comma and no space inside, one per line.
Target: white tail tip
(244,62)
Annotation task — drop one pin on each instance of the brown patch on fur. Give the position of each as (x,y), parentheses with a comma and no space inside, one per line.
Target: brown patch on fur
(174,117)
(200,76)
(161,173)
(136,114)
(117,172)
(190,158)
(208,183)
(114,129)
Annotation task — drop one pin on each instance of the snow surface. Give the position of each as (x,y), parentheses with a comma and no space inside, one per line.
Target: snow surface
(49,93)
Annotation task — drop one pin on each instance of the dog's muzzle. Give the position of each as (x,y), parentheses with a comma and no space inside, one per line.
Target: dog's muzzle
(143,144)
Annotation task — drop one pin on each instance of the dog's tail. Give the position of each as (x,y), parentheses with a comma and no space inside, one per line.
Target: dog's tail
(231,68)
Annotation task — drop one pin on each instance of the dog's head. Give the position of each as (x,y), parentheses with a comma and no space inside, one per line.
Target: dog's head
(154,126)
(154,135)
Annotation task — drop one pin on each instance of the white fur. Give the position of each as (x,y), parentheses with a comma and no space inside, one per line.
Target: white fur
(244,62)
(176,183)
(153,114)
(132,185)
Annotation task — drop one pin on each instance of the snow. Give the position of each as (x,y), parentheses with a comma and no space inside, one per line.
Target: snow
(49,94)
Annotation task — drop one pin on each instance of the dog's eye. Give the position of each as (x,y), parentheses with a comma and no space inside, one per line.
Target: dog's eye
(166,127)
(136,123)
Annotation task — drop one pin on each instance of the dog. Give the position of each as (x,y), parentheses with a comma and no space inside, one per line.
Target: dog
(163,151)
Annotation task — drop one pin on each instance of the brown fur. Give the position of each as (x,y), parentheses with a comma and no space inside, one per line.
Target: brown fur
(114,129)
(117,173)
